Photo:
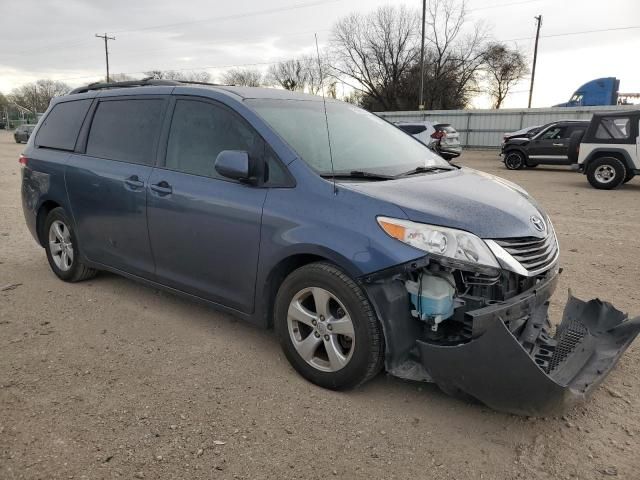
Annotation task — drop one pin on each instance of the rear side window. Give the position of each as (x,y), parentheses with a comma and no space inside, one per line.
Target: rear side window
(126,130)
(613,128)
(200,131)
(412,129)
(61,127)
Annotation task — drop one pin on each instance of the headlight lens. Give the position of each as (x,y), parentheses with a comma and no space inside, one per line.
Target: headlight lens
(443,241)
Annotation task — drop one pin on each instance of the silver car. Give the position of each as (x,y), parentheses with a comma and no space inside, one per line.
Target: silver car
(440,137)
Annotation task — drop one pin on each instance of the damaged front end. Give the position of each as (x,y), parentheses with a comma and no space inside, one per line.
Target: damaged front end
(491,338)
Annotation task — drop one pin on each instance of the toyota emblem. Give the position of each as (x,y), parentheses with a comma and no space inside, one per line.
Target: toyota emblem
(538,223)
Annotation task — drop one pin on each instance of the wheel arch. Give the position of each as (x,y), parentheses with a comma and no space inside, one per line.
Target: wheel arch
(286,266)
(516,148)
(41,218)
(618,153)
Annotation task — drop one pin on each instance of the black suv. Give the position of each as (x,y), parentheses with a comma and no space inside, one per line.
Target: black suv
(549,146)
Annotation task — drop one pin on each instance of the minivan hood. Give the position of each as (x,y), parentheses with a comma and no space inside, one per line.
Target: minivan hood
(466,199)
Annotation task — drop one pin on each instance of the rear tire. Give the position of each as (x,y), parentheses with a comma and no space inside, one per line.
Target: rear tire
(606,173)
(327,328)
(629,176)
(514,160)
(61,245)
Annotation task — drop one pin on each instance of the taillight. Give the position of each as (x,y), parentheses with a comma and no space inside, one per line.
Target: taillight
(438,134)
(23,160)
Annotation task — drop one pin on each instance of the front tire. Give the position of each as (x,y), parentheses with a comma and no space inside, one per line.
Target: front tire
(514,160)
(327,328)
(606,173)
(61,245)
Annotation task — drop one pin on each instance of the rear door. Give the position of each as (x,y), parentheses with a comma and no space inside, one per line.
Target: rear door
(550,146)
(205,229)
(107,182)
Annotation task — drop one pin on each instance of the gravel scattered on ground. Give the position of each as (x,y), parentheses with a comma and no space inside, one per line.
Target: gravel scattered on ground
(112,379)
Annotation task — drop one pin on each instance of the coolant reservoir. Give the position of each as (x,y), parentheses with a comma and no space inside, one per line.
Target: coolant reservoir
(432,297)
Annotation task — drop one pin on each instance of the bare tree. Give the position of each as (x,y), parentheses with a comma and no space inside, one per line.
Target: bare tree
(245,77)
(290,74)
(36,96)
(504,67)
(375,51)
(176,75)
(453,53)
(119,77)
(317,72)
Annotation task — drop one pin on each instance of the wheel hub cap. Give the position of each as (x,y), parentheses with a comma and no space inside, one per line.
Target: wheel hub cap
(605,173)
(60,245)
(321,329)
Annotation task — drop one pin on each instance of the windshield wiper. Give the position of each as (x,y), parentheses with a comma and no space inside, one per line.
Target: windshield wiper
(358,174)
(422,169)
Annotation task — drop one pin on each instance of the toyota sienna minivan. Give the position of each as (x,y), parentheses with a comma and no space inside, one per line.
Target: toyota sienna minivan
(357,244)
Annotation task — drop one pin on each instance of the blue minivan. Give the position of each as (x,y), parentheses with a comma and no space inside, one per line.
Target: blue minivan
(361,248)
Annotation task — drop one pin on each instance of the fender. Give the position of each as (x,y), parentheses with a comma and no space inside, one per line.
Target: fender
(515,148)
(597,152)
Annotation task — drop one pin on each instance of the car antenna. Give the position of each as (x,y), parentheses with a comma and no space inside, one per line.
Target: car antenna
(326,118)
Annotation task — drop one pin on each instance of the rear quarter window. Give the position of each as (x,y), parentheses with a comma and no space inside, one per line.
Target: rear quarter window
(61,126)
(613,128)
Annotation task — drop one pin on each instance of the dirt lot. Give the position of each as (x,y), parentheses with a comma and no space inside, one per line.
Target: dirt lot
(109,379)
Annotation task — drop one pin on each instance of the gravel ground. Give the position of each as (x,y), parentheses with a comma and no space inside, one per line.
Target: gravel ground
(111,379)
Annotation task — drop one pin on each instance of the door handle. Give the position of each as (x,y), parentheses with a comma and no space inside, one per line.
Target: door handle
(558,144)
(162,188)
(134,182)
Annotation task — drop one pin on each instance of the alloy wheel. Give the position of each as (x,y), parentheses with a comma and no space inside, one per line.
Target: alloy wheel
(321,329)
(513,161)
(605,174)
(60,245)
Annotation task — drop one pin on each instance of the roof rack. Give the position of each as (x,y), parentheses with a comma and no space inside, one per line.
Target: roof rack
(149,81)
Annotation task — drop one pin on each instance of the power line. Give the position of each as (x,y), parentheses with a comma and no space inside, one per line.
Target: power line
(231,17)
(503,5)
(73,43)
(583,32)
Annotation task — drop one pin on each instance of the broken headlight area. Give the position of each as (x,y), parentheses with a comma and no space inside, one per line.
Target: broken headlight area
(486,333)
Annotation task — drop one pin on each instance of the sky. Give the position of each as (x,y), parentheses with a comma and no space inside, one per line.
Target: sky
(56,38)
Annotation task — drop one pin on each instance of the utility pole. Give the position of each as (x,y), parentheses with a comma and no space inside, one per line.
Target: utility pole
(106,50)
(421,96)
(535,57)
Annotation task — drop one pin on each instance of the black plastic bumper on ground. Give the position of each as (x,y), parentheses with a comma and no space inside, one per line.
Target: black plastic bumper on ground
(531,373)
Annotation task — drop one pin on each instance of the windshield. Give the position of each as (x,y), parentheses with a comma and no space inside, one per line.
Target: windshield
(360,141)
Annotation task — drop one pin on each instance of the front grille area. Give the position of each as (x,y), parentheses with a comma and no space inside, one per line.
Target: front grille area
(534,254)
(568,339)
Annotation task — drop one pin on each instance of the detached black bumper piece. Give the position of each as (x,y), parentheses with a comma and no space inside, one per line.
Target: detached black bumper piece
(512,364)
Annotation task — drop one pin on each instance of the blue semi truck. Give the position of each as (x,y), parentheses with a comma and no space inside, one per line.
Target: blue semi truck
(601,91)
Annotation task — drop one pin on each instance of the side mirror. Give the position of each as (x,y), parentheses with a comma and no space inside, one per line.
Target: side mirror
(234,164)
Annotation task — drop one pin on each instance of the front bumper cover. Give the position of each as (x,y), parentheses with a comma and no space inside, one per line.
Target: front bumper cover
(512,363)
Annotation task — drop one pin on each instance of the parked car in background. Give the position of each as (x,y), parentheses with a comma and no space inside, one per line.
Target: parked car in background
(609,152)
(374,253)
(549,145)
(440,137)
(23,132)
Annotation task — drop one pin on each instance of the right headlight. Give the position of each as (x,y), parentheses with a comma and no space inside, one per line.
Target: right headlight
(450,243)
